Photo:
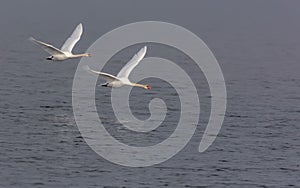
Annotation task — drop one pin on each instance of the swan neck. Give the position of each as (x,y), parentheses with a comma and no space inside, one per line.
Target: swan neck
(80,55)
(138,85)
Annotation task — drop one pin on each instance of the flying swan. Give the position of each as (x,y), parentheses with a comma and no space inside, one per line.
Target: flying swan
(122,78)
(66,50)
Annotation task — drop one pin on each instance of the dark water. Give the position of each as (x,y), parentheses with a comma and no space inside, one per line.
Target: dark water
(257,45)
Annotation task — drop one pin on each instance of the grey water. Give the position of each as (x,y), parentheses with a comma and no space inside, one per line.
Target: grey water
(256,43)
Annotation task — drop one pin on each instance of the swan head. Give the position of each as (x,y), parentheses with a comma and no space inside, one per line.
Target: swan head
(147,87)
(140,85)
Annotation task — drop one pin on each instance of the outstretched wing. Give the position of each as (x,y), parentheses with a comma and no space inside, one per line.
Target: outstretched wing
(125,71)
(105,76)
(47,47)
(73,39)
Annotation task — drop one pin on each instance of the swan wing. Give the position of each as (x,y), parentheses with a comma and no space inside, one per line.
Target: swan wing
(73,39)
(47,47)
(134,61)
(105,76)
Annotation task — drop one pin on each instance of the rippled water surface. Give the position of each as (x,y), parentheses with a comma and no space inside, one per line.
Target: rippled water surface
(257,45)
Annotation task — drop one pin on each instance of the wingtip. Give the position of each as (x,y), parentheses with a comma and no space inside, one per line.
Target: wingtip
(144,49)
(33,40)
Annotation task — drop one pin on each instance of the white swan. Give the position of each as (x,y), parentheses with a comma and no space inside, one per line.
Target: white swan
(122,78)
(66,50)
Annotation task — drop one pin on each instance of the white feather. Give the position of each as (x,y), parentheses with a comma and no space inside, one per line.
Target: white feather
(73,39)
(47,47)
(134,61)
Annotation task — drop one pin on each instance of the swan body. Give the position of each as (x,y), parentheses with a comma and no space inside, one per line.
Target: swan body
(122,78)
(66,50)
